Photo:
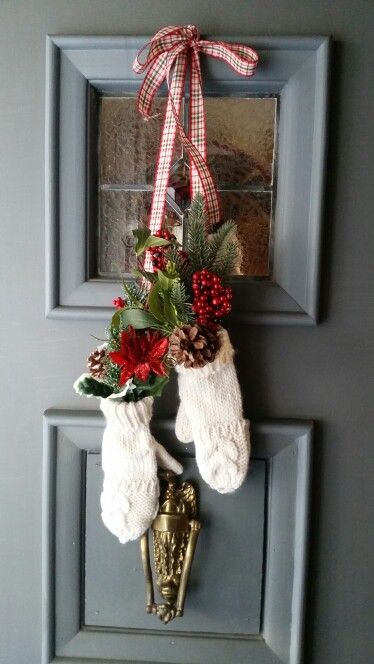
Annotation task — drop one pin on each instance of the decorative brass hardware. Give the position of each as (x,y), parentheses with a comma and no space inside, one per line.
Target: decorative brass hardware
(175,532)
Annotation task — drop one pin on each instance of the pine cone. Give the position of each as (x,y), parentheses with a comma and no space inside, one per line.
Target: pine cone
(193,346)
(96,362)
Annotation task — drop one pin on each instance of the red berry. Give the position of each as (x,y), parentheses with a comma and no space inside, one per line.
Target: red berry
(211,300)
(119,303)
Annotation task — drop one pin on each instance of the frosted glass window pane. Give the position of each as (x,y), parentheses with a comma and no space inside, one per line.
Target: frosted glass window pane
(128,144)
(240,140)
(252,214)
(241,137)
(119,213)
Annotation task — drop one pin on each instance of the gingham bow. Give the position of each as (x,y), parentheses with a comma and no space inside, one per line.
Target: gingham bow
(170,51)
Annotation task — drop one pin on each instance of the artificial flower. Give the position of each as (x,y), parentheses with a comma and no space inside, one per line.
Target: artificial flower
(140,354)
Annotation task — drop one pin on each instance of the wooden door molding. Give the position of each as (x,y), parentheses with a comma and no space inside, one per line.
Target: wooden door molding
(293,68)
(71,453)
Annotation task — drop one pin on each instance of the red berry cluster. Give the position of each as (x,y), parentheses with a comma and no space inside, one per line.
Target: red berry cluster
(119,303)
(211,299)
(158,253)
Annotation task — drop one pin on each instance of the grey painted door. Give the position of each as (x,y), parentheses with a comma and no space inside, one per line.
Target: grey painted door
(319,373)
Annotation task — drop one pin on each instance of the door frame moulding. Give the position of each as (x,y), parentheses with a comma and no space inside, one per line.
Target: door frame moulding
(285,445)
(293,68)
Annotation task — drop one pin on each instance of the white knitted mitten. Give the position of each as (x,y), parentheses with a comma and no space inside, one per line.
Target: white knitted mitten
(211,414)
(129,499)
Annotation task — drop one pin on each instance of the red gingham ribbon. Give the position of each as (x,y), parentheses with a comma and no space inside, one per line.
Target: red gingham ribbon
(170,51)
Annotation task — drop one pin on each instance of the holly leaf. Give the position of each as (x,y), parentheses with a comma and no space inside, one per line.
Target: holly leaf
(144,240)
(158,386)
(141,235)
(115,322)
(154,241)
(166,282)
(138,319)
(153,387)
(170,312)
(154,302)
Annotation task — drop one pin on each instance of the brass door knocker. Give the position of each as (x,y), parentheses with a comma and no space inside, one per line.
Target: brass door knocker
(175,532)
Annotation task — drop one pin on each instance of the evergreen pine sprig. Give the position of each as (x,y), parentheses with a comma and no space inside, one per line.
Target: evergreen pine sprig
(197,235)
(218,239)
(112,375)
(135,294)
(179,298)
(180,264)
(225,260)
(218,251)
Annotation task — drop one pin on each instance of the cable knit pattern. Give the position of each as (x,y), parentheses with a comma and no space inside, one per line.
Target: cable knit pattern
(211,402)
(183,429)
(129,499)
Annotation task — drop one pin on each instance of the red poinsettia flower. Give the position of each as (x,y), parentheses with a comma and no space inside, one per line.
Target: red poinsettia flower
(140,354)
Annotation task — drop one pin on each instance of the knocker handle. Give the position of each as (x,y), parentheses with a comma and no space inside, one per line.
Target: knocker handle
(150,596)
(175,532)
(194,534)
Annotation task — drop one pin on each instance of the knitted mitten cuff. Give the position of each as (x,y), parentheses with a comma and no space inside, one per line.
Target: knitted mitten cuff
(128,416)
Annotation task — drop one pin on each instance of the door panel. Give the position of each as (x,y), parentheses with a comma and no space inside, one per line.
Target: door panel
(233,529)
(246,595)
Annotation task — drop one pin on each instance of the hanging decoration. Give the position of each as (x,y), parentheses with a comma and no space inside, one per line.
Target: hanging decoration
(171,52)
(169,314)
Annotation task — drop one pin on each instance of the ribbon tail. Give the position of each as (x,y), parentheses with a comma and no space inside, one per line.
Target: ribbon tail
(208,187)
(201,177)
(197,126)
(166,149)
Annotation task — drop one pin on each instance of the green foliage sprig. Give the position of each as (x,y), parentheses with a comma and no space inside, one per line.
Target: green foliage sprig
(218,251)
(180,300)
